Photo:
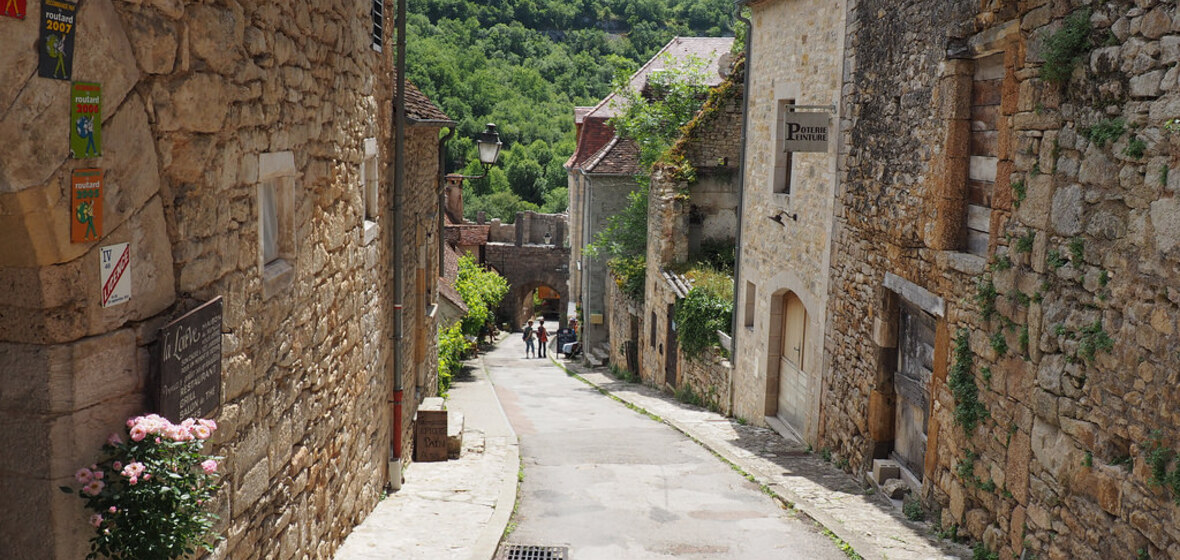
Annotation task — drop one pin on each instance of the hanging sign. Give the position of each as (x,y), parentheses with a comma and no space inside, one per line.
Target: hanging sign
(14,9)
(58,30)
(115,268)
(86,120)
(805,131)
(86,205)
(190,363)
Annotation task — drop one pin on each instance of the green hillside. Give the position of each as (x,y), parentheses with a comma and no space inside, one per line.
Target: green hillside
(524,65)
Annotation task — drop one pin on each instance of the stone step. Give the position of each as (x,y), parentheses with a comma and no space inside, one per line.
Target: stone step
(454,434)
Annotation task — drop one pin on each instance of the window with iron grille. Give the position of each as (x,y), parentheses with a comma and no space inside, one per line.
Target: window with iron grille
(378,13)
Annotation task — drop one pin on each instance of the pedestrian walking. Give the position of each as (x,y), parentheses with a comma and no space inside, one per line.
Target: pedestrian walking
(529,337)
(542,339)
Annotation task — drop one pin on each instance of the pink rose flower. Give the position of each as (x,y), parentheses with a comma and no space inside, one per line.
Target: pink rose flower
(209,465)
(94,487)
(133,469)
(211,424)
(133,481)
(147,476)
(118,466)
(98,475)
(201,432)
(96,519)
(113,509)
(138,433)
(158,440)
(84,475)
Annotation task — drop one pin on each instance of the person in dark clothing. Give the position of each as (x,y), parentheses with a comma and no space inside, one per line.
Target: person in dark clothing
(542,339)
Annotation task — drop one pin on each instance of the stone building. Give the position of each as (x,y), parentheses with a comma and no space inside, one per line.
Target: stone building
(246,150)
(688,217)
(602,173)
(795,68)
(1003,299)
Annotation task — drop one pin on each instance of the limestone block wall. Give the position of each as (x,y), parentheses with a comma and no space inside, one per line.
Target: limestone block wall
(1070,319)
(200,100)
(605,196)
(797,55)
(625,319)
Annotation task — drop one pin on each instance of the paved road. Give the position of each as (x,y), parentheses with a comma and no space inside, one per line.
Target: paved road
(612,484)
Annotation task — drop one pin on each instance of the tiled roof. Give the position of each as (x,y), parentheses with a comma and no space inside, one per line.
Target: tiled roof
(708,49)
(597,150)
(619,157)
(419,107)
(446,290)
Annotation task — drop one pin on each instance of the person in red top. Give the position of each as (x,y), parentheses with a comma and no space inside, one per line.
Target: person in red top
(542,339)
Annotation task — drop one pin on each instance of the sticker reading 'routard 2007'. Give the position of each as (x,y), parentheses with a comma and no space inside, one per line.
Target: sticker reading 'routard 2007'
(56,47)
(115,268)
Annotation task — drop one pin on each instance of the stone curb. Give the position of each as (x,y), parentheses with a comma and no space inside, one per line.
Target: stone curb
(848,533)
(489,539)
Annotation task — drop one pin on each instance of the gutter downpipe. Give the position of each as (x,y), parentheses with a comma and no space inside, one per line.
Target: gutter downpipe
(442,199)
(737,264)
(399,180)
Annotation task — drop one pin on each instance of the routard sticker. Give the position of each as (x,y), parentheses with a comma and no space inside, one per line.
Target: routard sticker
(86,205)
(86,120)
(58,29)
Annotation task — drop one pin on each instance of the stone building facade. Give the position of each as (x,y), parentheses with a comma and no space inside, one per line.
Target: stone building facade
(602,173)
(796,60)
(210,112)
(1003,301)
(688,216)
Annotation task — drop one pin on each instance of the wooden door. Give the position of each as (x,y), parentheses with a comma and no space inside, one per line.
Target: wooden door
(792,380)
(915,367)
(673,347)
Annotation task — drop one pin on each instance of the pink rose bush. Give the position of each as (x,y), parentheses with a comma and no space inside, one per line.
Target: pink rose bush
(149,492)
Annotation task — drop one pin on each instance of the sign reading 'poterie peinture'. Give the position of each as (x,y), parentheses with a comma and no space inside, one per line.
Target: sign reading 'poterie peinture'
(805,131)
(86,120)
(58,29)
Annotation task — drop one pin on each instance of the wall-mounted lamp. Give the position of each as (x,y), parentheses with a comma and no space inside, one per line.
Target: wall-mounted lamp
(779,217)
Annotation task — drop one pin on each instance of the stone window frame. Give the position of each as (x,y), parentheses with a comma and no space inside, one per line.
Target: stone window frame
(370,191)
(954,104)
(784,162)
(751,301)
(276,181)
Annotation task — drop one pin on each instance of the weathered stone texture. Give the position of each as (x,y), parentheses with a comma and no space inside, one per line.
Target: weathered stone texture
(193,95)
(1082,262)
(785,238)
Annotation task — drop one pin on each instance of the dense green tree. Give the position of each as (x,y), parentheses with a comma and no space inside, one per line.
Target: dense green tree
(524,65)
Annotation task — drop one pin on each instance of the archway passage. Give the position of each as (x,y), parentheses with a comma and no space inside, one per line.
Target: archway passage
(531,270)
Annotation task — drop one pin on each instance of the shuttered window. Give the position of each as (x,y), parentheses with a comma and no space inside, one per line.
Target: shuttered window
(378,24)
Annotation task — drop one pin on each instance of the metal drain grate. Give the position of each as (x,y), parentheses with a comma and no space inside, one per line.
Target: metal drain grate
(509,551)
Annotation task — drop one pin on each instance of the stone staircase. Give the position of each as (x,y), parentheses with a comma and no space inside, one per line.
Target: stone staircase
(598,356)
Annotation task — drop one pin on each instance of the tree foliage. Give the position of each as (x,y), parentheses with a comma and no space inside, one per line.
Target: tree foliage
(525,64)
(706,309)
(481,290)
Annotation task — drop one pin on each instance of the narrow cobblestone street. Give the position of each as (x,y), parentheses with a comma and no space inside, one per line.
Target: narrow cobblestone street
(610,483)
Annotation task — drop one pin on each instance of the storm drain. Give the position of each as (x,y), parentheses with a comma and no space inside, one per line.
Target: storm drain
(509,551)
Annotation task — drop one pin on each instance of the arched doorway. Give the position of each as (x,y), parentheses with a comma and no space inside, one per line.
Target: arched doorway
(788,351)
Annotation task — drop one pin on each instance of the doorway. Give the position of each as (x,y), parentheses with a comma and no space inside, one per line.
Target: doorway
(915,368)
(792,376)
(673,346)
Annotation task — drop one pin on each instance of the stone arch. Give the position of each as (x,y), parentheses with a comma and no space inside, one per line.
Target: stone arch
(785,285)
(517,305)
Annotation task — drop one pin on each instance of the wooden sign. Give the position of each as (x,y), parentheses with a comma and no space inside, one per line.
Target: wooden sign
(86,205)
(14,9)
(804,131)
(189,354)
(86,120)
(56,47)
(430,436)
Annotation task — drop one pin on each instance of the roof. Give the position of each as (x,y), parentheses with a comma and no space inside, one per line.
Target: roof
(597,148)
(421,108)
(679,49)
(618,157)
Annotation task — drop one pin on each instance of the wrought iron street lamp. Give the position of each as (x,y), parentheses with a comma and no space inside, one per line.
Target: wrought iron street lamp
(489,144)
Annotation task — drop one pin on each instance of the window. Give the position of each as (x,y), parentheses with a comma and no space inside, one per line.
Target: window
(983,160)
(378,13)
(276,220)
(369,190)
(652,338)
(751,296)
(782,160)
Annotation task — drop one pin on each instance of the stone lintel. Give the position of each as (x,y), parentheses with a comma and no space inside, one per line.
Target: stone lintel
(916,294)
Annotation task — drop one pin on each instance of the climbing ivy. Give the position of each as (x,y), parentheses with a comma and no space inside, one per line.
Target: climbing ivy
(968,410)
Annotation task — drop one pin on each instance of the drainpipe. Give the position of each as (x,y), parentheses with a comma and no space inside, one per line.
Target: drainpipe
(442,200)
(737,263)
(399,274)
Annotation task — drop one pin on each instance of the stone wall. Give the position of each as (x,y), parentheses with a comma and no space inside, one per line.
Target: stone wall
(1070,319)
(607,196)
(199,102)
(797,55)
(624,318)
